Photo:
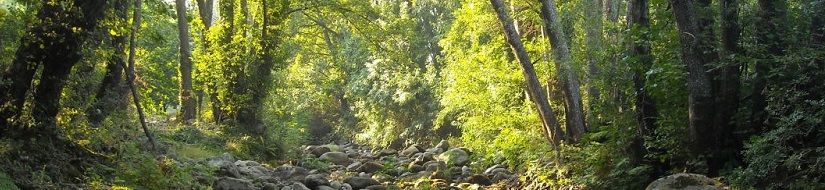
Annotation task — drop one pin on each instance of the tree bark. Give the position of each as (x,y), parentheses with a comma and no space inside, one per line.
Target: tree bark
(54,43)
(551,125)
(768,35)
(639,45)
(112,93)
(594,45)
(564,61)
(188,103)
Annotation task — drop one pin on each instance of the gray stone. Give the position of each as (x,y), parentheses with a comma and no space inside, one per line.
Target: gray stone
(435,150)
(479,179)
(443,145)
(456,157)
(299,186)
(416,168)
(376,187)
(269,186)
(218,161)
(433,166)
(255,172)
(360,182)
(229,170)
(228,183)
(387,152)
(319,150)
(370,167)
(339,158)
(315,180)
(290,173)
(409,151)
(335,184)
(346,186)
(685,181)
(325,188)
(242,163)
(354,166)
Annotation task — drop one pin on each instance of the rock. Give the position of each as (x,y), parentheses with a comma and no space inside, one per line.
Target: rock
(346,186)
(360,182)
(435,150)
(354,155)
(409,151)
(325,188)
(319,150)
(269,186)
(218,161)
(496,171)
(286,188)
(376,187)
(416,168)
(370,167)
(290,173)
(229,170)
(203,178)
(335,185)
(315,180)
(381,178)
(228,183)
(685,181)
(443,145)
(479,179)
(433,166)
(456,157)
(501,176)
(411,177)
(466,171)
(339,158)
(242,163)
(299,186)
(354,166)
(254,172)
(489,171)
(439,175)
(387,152)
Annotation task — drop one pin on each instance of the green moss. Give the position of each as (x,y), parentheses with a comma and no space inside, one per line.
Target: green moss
(6,182)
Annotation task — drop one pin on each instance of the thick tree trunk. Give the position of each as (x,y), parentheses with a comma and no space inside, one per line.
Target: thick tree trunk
(53,43)
(205,9)
(551,124)
(561,51)
(112,93)
(639,45)
(187,100)
(726,84)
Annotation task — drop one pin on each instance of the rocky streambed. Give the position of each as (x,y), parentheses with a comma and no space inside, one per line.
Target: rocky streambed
(350,166)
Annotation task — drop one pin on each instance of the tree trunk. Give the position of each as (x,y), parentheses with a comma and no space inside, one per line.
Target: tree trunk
(726,84)
(551,124)
(769,35)
(112,93)
(594,45)
(55,44)
(564,61)
(639,45)
(205,9)
(698,54)
(818,23)
(187,101)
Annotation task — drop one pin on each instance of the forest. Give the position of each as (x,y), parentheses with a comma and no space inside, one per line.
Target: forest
(412,94)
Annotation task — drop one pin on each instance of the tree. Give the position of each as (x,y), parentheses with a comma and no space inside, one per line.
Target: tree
(594,33)
(54,44)
(112,92)
(564,62)
(187,100)
(551,124)
(639,49)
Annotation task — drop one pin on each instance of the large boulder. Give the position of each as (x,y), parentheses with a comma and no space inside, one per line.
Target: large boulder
(256,172)
(685,181)
(290,173)
(456,157)
(228,183)
(387,152)
(339,158)
(360,182)
(433,166)
(319,150)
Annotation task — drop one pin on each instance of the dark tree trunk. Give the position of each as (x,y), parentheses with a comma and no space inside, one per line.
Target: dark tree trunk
(818,23)
(112,93)
(646,111)
(551,125)
(205,8)
(187,100)
(698,54)
(726,83)
(54,44)
(564,61)
(768,35)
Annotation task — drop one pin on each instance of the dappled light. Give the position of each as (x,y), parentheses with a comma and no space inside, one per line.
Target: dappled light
(416,94)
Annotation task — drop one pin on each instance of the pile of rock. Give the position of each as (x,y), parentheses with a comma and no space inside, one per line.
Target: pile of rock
(359,167)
